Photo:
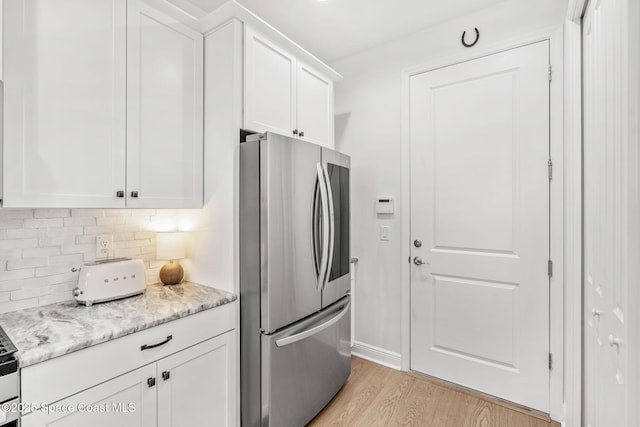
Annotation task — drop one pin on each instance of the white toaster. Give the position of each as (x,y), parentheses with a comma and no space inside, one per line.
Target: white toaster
(108,280)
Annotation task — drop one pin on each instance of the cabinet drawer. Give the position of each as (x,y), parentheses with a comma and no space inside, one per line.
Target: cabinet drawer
(63,376)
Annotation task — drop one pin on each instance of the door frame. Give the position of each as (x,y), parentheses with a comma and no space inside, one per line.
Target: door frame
(564,157)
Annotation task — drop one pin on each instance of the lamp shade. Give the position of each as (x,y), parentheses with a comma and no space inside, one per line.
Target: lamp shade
(170,246)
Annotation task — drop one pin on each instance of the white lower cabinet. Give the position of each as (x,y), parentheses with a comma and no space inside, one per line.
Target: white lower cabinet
(193,387)
(180,373)
(196,385)
(123,401)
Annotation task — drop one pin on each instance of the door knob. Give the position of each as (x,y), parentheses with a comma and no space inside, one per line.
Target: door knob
(418,261)
(417,243)
(614,341)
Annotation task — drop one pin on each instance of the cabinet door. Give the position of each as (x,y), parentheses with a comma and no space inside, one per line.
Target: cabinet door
(199,389)
(125,401)
(315,106)
(269,98)
(64,103)
(164,111)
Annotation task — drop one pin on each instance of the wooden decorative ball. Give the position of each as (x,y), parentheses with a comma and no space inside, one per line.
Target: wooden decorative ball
(171,273)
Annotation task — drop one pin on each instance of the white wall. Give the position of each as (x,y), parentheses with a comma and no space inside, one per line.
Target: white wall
(368,127)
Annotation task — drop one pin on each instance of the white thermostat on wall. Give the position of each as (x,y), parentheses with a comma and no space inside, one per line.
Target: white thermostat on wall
(384,205)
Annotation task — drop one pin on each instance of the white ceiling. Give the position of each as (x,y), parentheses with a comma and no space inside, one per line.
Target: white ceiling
(334,29)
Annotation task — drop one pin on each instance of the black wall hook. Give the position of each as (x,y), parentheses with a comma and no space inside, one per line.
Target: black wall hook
(465,44)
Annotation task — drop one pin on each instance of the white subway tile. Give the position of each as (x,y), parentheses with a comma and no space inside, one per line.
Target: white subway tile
(66,259)
(65,231)
(55,269)
(87,212)
(8,306)
(78,249)
(24,233)
(56,241)
(9,223)
(19,264)
(79,220)
(127,252)
(51,213)
(110,220)
(36,282)
(126,235)
(55,297)
(16,213)
(140,235)
(5,296)
(140,221)
(16,274)
(43,223)
(143,212)
(31,292)
(94,230)
(18,243)
(117,212)
(40,252)
(80,240)
(131,244)
(11,253)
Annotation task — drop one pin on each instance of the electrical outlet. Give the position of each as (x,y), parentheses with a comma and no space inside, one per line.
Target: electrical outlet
(104,246)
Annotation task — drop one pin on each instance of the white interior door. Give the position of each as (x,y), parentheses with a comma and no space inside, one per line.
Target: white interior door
(608,226)
(480,209)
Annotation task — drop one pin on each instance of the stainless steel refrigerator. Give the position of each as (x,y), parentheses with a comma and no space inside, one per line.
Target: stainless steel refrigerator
(295,327)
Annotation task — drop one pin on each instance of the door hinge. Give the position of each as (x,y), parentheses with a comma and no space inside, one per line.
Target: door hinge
(550,361)
(550,268)
(550,166)
(550,72)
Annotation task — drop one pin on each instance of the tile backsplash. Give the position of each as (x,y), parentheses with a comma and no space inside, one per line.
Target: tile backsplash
(39,247)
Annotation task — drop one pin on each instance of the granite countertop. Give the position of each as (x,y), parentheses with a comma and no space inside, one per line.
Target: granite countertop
(42,333)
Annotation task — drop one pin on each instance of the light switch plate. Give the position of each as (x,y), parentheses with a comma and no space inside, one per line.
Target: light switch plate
(385,233)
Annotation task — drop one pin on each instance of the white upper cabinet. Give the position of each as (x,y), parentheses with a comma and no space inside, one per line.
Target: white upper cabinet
(270,75)
(284,95)
(164,111)
(64,103)
(315,106)
(100,102)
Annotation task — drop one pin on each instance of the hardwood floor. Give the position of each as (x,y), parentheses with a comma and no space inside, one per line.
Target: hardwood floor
(375,395)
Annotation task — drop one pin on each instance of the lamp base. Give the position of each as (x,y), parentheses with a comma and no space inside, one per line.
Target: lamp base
(171,273)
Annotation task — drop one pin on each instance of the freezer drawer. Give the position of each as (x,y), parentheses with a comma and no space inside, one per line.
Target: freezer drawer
(305,365)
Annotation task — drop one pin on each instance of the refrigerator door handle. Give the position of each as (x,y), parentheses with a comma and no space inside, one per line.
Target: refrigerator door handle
(332,224)
(314,330)
(325,228)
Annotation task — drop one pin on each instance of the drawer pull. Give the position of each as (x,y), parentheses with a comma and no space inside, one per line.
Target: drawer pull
(166,375)
(148,346)
(151,381)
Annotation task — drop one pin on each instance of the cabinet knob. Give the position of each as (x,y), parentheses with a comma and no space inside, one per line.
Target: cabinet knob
(166,375)
(301,134)
(120,194)
(295,131)
(151,381)
(134,194)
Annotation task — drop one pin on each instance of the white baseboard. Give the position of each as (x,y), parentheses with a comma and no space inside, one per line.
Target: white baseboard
(376,354)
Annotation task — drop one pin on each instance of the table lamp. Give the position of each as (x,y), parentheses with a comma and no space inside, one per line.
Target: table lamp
(170,246)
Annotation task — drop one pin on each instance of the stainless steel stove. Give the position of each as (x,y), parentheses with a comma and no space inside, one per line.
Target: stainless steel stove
(9,383)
